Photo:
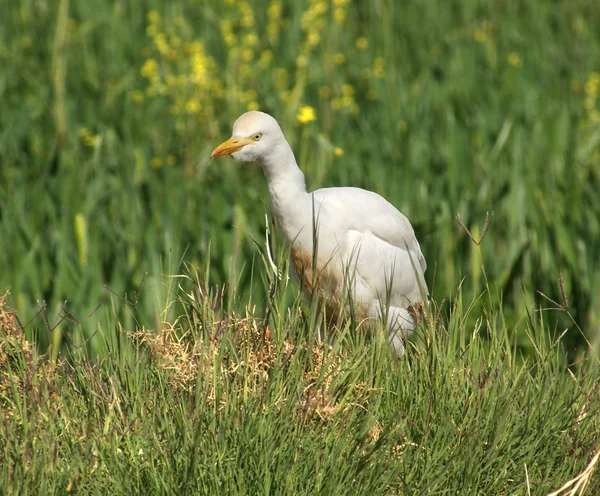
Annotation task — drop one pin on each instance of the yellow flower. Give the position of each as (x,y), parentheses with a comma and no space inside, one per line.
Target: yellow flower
(347,90)
(514,59)
(150,68)
(156,163)
(137,96)
(250,39)
(362,43)
(339,58)
(230,39)
(338,152)
(479,35)
(301,61)
(192,106)
(306,114)
(274,10)
(312,39)
(589,103)
(592,84)
(153,17)
(379,67)
(88,138)
(152,30)
(339,15)
(266,57)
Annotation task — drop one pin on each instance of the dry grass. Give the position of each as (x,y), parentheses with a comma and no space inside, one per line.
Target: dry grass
(22,369)
(14,350)
(241,355)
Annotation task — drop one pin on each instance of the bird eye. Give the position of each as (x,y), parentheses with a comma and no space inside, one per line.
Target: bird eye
(257,136)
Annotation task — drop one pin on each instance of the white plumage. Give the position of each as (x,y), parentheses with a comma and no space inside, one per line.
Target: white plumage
(366,248)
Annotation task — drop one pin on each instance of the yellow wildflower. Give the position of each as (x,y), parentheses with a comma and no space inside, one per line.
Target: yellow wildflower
(150,68)
(137,96)
(347,90)
(306,114)
(151,30)
(301,61)
(592,84)
(266,57)
(339,58)
(192,106)
(379,67)
(153,17)
(250,39)
(339,15)
(274,10)
(312,39)
(479,35)
(338,152)
(589,103)
(362,43)
(88,138)
(514,59)
(230,39)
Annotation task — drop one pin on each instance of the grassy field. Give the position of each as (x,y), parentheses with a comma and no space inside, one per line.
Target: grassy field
(135,266)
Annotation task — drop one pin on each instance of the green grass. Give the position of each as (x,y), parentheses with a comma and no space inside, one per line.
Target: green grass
(444,108)
(211,405)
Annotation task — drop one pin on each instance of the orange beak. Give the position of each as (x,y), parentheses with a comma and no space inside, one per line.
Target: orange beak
(232,145)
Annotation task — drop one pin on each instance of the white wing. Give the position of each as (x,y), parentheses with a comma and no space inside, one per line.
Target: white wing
(375,240)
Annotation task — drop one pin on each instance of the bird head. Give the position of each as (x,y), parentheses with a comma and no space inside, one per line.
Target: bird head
(254,135)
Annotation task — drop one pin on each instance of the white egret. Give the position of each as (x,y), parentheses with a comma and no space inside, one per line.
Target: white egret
(366,248)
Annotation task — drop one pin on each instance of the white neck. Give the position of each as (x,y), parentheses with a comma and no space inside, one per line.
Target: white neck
(287,187)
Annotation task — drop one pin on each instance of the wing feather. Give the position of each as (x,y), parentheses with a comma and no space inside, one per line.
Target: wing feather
(361,210)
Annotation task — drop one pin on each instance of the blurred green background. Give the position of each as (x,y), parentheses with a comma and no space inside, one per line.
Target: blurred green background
(109,111)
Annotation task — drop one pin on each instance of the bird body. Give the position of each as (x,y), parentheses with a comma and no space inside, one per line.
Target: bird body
(344,242)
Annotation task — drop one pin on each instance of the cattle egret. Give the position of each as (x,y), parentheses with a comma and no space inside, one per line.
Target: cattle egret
(366,250)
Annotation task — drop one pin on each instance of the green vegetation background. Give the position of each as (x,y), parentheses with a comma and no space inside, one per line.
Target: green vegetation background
(110,111)
(108,114)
